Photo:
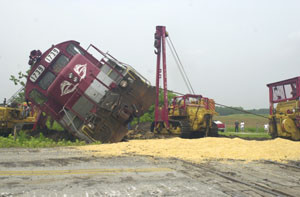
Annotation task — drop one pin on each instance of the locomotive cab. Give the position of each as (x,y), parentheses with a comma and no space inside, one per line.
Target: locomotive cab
(93,99)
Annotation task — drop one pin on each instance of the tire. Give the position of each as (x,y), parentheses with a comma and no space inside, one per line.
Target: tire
(273,128)
(152,127)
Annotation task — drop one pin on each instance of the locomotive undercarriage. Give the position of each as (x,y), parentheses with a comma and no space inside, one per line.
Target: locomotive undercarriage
(117,108)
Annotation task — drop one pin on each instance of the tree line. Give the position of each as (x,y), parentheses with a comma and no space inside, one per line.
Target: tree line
(224,111)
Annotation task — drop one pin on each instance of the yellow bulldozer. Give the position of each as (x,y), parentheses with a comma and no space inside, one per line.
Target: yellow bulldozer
(284,118)
(189,116)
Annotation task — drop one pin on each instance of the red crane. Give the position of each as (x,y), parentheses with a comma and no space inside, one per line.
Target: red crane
(161,114)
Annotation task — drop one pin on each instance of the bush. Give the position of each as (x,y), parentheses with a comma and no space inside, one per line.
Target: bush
(23,140)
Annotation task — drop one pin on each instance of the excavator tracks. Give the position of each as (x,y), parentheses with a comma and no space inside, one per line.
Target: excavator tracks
(186,131)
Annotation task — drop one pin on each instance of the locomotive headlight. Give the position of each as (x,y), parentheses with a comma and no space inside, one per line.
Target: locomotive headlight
(123,83)
(91,125)
(75,79)
(70,75)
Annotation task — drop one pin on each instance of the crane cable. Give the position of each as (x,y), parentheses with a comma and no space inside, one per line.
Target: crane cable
(241,110)
(233,108)
(188,83)
(179,65)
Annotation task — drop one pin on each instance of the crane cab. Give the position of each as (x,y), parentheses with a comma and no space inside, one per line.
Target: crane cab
(284,119)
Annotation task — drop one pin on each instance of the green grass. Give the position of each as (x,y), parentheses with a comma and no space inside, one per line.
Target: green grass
(247,130)
(56,126)
(248,135)
(25,141)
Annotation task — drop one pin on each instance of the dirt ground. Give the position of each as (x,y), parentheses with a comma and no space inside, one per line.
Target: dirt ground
(137,168)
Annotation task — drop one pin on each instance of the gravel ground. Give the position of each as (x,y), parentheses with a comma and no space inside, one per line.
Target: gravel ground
(84,171)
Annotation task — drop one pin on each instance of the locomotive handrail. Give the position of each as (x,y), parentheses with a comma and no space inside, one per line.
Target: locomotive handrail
(120,74)
(71,121)
(126,66)
(101,52)
(137,73)
(106,55)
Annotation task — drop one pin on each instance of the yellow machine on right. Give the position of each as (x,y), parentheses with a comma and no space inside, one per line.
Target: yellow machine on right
(284,119)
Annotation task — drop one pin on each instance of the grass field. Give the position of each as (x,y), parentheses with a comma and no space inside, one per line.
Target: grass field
(251,121)
(254,125)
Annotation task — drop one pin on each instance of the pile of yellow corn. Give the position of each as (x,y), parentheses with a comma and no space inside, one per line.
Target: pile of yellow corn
(199,150)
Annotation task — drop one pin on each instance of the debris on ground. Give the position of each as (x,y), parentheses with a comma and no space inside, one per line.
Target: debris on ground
(142,131)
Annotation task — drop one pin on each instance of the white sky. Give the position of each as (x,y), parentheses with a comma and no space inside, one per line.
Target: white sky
(230,48)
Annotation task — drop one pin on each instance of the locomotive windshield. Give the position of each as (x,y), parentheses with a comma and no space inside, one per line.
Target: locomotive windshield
(61,62)
(37,97)
(73,50)
(46,80)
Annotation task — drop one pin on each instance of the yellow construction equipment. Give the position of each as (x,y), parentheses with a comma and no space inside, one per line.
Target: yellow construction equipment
(19,116)
(189,116)
(284,119)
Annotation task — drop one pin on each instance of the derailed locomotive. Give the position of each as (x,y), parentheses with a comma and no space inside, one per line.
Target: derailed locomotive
(94,99)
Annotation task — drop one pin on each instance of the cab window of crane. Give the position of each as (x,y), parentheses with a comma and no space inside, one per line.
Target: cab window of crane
(59,64)
(46,80)
(278,93)
(193,100)
(290,90)
(37,97)
(73,50)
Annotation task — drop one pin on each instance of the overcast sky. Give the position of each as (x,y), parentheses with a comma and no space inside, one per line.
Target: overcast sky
(230,48)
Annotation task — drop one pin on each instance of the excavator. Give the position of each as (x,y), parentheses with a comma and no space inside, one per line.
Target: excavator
(189,115)
(19,116)
(284,118)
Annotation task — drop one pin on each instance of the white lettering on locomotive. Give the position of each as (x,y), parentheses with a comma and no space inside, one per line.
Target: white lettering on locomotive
(37,73)
(52,55)
(67,87)
(80,69)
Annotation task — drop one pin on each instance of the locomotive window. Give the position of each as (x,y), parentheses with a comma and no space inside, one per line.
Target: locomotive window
(46,81)
(37,97)
(73,50)
(61,62)
(105,68)
(112,73)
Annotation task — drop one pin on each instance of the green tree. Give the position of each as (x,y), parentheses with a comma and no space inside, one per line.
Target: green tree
(149,115)
(20,79)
